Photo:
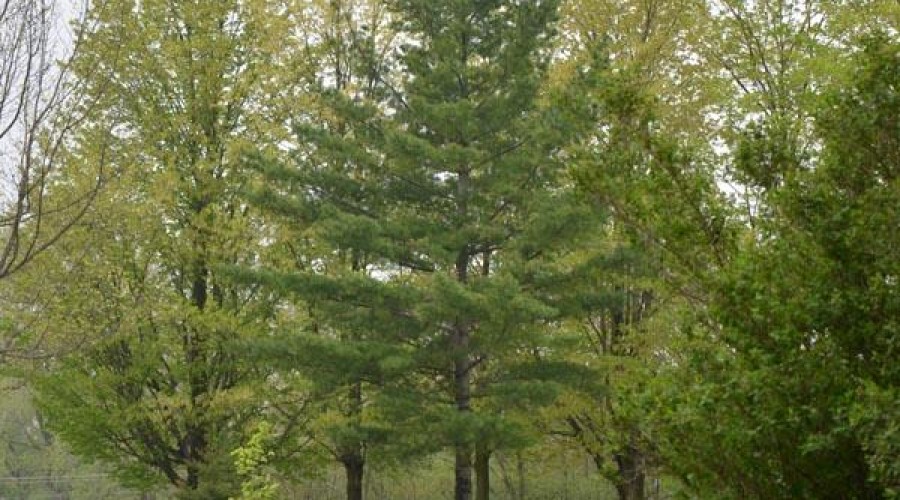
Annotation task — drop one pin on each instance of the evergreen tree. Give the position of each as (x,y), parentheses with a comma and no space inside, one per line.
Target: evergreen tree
(438,183)
(337,343)
(470,168)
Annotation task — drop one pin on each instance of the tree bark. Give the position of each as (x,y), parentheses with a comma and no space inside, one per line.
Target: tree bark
(463,469)
(463,465)
(462,393)
(461,362)
(631,474)
(354,452)
(482,473)
(462,389)
(354,466)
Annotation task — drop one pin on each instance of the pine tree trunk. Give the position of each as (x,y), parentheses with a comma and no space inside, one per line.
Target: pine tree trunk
(482,452)
(482,473)
(354,458)
(463,465)
(461,363)
(463,490)
(355,468)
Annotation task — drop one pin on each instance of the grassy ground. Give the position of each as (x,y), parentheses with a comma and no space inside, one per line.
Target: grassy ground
(565,475)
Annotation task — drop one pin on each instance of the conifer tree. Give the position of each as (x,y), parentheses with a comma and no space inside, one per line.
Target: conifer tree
(443,189)
(471,166)
(322,209)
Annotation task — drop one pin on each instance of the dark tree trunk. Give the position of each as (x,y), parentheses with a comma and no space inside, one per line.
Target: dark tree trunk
(463,465)
(483,452)
(631,474)
(463,469)
(462,366)
(354,453)
(462,389)
(354,466)
(482,473)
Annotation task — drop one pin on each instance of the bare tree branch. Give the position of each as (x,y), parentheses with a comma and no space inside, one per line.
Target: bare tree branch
(41,106)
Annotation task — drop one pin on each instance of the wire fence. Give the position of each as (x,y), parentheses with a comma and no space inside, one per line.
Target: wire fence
(562,478)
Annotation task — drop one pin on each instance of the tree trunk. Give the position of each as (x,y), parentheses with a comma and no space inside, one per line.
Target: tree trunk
(462,365)
(354,454)
(193,445)
(462,390)
(631,474)
(354,466)
(482,473)
(463,470)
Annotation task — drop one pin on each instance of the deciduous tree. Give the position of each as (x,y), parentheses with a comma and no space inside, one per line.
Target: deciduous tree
(155,388)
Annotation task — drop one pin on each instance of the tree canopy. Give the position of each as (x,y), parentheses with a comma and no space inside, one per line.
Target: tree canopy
(252,243)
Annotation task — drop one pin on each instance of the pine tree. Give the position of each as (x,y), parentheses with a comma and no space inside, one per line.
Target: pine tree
(473,170)
(442,189)
(337,343)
